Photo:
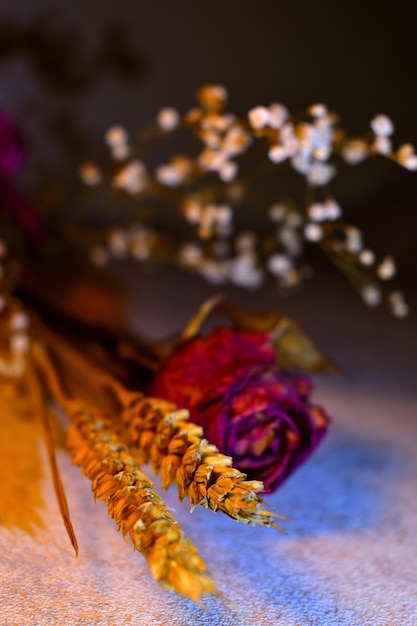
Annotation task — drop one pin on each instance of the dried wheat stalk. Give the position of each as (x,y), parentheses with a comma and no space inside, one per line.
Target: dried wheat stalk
(134,504)
(176,449)
(96,446)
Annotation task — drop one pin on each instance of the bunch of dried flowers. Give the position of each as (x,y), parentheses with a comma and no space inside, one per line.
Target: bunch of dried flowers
(225,417)
(111,447)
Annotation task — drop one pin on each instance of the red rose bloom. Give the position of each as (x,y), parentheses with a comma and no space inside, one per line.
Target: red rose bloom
(247,407)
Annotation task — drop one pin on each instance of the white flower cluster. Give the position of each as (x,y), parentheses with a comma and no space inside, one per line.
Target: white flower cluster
(136,242)
(14,324)
(211,219)
(242,269)
(175,173)
(310,142)
(307,145)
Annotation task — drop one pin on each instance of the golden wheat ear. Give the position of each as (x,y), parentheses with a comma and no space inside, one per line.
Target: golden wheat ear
(177,449)
(97,447)
(136,507)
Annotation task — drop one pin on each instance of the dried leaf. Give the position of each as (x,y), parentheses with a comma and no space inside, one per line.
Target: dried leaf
(194,325)
(294,349)
(38,401)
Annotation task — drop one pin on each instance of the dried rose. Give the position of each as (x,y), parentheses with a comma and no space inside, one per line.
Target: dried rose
(247,407)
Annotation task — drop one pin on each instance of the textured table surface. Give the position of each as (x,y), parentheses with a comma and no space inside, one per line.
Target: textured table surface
(350,557)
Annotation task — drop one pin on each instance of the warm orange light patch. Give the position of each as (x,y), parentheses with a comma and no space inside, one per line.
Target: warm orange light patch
(21,468)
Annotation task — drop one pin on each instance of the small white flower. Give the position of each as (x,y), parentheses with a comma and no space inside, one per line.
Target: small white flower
(382,145)
(192,210)
(228,171)
(278,114)
(382,126)
(279,264)
(332,209)
(19,321)
(320,174)
(120,152)
(405,151)
(371,295)
(190,255)
(212,96)
(410,163)
(259,117)
(19,343)
(211,160)
(217,123)
(235,141)
(216,272)
(277,154)
(290,240)
(115,136)
(289,140)
(245,241)
(353,241)
(313,232)
(168,119)
(318,110)
(399,307)
(308,139)
(169,175)
(367,257)
(90,174)
(223,213)
(387,268)
(290,279)
(245,273)
(317,212)
(132,178)
(277,212)
(302,164)
(354,151)
(118,244)
(322,153)
(211,139)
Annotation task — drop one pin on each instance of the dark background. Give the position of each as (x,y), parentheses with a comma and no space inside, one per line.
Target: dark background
(70,70)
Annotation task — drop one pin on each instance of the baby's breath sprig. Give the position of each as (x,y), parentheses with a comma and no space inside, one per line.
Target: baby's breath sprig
(210,183)
(14,322)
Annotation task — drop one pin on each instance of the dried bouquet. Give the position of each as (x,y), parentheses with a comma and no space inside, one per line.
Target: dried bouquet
(226,414)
